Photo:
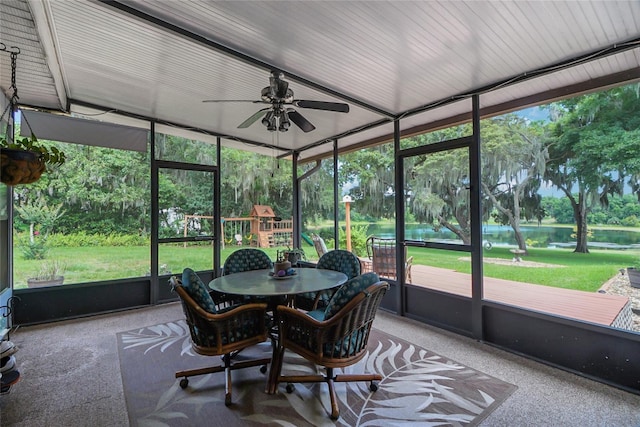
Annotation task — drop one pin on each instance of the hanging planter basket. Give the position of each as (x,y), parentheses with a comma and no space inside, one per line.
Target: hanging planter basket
(22,161)
(20,166)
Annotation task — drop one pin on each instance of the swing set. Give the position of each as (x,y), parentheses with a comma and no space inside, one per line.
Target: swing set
(261,229)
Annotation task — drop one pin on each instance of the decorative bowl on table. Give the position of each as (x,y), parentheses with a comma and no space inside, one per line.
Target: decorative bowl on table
(283,273)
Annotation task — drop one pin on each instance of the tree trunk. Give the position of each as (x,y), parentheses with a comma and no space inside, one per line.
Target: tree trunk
(580,213)
(514,220)
(520,240)
(466,239)
(513,217)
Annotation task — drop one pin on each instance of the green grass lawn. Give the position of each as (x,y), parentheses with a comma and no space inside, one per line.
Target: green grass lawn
(97,263)
(87,264)
(587,272)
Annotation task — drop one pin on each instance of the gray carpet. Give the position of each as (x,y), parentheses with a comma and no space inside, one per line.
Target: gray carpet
(71,376)
(418,387)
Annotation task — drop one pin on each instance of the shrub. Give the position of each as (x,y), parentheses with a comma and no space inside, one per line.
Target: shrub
(36,249)
(630,221)
(82,239)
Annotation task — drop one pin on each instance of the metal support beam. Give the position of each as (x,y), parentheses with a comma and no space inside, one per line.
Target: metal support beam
(476,223)
(336,190)
(399,187)
(296,211)
(153,294)
(217,215)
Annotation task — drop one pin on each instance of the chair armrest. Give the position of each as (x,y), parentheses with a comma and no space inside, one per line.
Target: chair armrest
(234,312)
(344,335)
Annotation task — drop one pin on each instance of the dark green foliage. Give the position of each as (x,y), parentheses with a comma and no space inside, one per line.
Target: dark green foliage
(37,249)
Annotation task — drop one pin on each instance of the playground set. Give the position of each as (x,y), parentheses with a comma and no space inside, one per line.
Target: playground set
(265,229)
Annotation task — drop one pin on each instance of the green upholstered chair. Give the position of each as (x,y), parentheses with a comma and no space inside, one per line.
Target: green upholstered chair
(219,325)
(247,259)
(337,260)
(338,340)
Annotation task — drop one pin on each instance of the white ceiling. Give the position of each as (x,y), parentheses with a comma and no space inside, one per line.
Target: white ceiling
(159,59)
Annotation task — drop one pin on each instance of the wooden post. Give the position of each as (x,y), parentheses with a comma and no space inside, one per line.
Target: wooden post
(347,208)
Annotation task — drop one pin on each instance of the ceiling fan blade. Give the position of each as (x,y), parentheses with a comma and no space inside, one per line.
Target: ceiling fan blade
(300,121)
(232,100)
(254,118)
(321,105)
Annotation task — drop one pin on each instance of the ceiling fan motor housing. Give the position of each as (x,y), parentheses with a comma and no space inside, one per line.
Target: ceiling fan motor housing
(268,95)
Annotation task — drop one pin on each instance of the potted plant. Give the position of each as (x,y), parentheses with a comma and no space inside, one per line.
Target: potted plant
(51,273)
(22,161)
(294,255)
(282,263)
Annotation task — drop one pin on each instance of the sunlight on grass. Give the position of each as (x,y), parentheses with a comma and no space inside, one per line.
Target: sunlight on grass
(98,263)
(587,272)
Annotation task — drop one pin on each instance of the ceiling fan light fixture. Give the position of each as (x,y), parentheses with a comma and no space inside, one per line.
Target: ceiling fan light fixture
(271,127)
(285,124)
(266,120)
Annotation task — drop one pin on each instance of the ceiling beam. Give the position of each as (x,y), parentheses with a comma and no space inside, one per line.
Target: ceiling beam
(43,22)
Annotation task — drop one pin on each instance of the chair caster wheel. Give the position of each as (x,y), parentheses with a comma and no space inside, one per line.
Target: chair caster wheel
(227,400)
(290,388)
(263,369)
(373,386)
(184,383)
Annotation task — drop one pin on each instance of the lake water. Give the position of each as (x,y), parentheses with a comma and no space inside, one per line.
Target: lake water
(503,235)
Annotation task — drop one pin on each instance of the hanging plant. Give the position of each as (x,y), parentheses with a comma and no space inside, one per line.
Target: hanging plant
(23,161)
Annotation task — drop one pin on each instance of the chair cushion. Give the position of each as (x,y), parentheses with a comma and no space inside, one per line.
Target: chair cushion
(246,260)
(317,314)
(197,290)
(340,260)
(337,260)
(348,347)
(348,291)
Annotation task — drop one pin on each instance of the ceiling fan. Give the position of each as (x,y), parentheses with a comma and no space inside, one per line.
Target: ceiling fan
(279,115)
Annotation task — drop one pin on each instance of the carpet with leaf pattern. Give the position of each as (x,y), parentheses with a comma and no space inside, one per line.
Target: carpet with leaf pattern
(419,387)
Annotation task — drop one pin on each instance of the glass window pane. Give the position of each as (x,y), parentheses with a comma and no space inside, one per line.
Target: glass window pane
(439,269)
(185,150)
(316,203)
(175,257)
(366,179)
(87,220)
(256,200)
(185,213)
(563,191)
(442,135)
(437,197)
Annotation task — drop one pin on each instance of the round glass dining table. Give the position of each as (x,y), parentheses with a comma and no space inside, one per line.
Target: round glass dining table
(261,283)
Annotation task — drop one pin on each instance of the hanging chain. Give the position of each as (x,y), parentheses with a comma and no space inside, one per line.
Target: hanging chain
(14,97)
(14,57)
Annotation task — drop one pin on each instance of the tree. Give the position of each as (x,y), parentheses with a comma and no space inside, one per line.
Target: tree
(38,214)
(595,145)
(370,174)
(438,191)
(513,160)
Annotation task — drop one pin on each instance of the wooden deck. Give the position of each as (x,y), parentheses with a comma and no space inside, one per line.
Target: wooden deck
(592,307)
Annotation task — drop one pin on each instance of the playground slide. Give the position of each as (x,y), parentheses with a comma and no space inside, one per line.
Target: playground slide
(307,239)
